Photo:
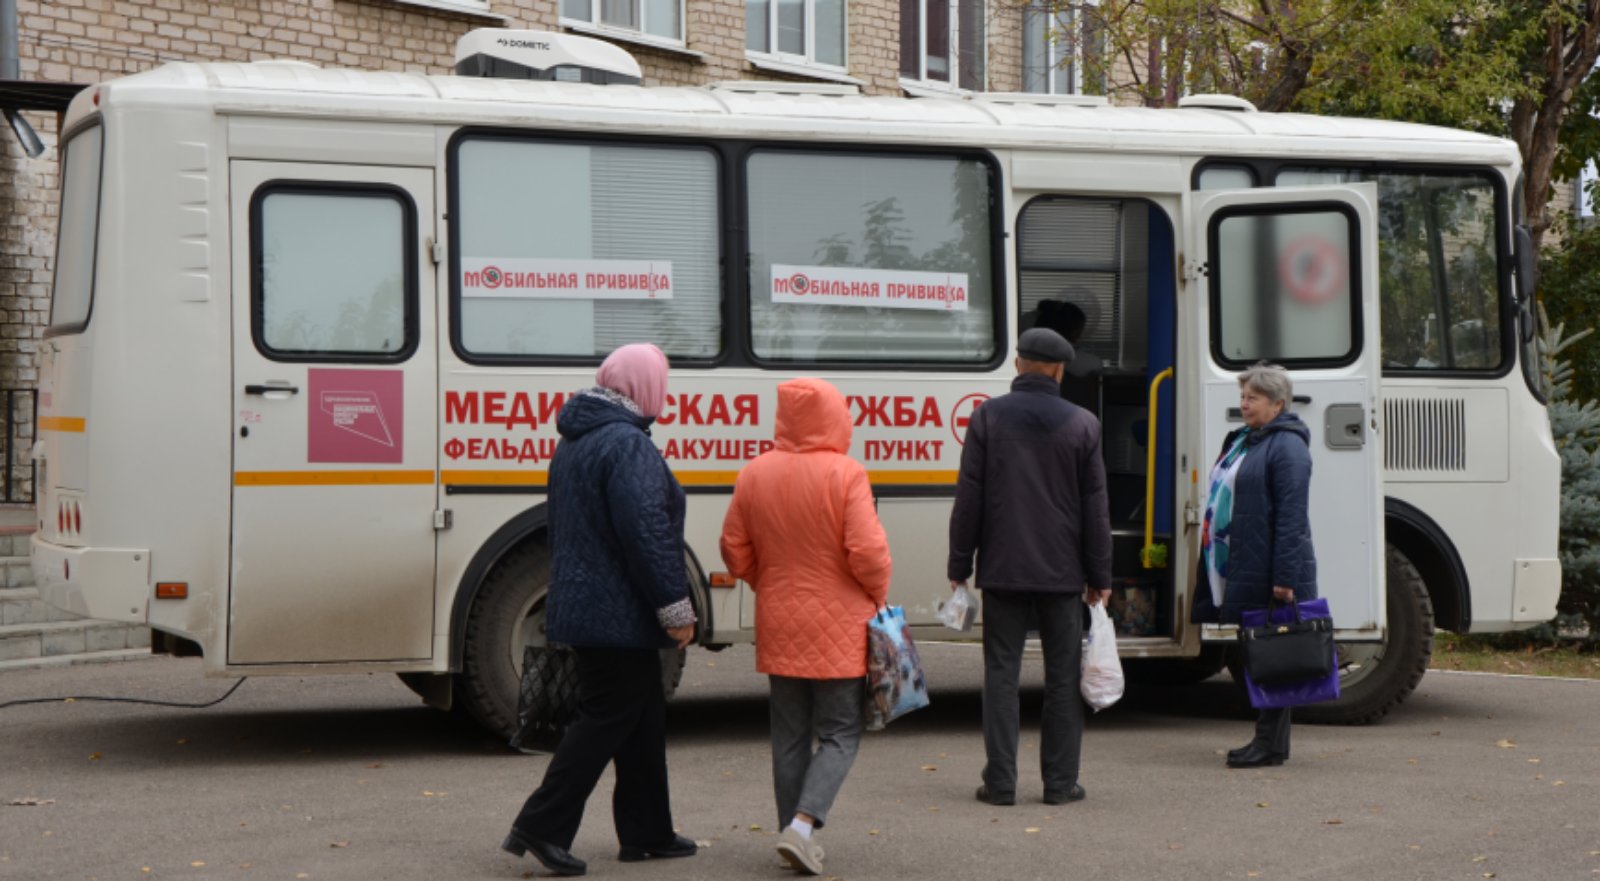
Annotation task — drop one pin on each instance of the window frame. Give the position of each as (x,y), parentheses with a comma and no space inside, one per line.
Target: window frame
(594,24)
(953,84)
(725,307)
(411,275)
(1052,46)
(997,258)
(809,57)
(52,329)
(1358,341)
(1267,168)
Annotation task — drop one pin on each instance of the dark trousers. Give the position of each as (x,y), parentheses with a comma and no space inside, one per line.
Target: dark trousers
(803,712)
(1272,731)
(622,719)
(1006,620)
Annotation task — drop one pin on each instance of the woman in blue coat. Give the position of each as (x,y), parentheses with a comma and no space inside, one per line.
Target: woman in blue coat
(1255,545)
(619,594)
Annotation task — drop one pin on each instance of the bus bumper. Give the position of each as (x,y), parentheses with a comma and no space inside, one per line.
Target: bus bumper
(1534,591)
(111,585)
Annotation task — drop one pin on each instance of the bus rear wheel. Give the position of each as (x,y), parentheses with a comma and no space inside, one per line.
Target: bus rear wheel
(507,618)
(1376,678)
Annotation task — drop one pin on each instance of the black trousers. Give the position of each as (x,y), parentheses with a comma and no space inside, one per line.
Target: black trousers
(1007,617)
(1272,731)
(622,719)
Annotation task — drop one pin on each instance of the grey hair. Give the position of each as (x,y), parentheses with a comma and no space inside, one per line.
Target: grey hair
(1270,380)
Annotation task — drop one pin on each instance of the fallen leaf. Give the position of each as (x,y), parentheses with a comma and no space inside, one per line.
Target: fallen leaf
(145,869)
(31,802)
(930,767)
(702,843)
(427,793)
(1594,853)
(1174,845)
(755,827)
(246,865)
(73,700)
(1411,761)
(872,832)
(1506,744)
(1031,829)
(944,755)
(1433,733)
(1333,822)
(1488,874)
(933,810)
(1262,804)
(375,765)
(94,757)
(1479,859)
(302,875)
(1414,846)
(1559,783)
(340,844)
(199,864)
(183,741)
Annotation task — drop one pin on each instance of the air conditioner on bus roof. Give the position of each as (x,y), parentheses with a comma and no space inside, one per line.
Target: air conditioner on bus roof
(544,55)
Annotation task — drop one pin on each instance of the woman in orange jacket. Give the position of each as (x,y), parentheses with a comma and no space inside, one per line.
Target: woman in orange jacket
(803,532)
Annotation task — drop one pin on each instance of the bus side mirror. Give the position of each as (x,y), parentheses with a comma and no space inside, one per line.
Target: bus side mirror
(1526,264)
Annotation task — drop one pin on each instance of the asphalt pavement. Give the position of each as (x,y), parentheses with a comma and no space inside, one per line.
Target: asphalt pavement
(349,777)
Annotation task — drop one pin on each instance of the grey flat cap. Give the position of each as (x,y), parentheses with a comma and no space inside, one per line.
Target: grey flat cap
(1044,344)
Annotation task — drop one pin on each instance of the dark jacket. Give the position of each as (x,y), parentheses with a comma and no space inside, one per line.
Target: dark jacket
(617,574)
(1031,498)
(1270,544)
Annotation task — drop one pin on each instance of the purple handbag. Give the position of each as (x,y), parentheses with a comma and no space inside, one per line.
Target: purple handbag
(1291,694)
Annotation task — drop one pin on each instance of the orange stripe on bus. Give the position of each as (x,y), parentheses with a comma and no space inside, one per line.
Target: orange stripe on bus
(331,478)
(916,477)
(61,423)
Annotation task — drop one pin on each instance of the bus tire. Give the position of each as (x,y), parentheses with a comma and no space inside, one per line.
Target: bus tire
(507,616)
(1375,679)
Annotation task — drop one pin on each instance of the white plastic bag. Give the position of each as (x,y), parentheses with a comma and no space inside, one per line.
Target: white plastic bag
(1102,671)
(960,611)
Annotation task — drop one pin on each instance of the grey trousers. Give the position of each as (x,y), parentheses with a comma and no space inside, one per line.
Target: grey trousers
(1006,621)
(828,713)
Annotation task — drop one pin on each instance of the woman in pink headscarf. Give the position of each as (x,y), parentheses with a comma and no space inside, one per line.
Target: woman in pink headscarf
(619,594)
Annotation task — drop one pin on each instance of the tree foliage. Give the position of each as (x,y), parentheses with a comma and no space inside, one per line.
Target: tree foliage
(1575,425)
(1517,68)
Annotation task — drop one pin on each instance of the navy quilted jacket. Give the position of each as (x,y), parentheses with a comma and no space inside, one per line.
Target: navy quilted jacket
(617,575)
(1270,542)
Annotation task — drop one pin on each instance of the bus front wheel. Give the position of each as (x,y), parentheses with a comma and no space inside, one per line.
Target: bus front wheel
(1374,678)
(507,618)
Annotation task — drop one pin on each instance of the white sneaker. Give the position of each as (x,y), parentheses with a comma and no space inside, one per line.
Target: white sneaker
(802,854)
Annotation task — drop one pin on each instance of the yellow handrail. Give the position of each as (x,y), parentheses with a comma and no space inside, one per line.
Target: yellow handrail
(1150,475)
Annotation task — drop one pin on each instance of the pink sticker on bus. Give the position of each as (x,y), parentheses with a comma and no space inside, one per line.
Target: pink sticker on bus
(356,416)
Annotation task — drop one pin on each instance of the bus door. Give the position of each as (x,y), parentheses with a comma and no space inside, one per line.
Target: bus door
(1290,276)
(334,416)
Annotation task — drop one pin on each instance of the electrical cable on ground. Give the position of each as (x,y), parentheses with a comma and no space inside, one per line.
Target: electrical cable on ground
(126,700)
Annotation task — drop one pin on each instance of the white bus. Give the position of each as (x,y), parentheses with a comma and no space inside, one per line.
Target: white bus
(311,328)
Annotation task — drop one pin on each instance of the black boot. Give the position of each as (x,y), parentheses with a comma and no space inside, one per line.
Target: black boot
(677,847)
(556,859)
(1255,756)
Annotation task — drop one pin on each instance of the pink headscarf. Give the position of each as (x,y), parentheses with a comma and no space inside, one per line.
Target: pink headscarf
(638,370)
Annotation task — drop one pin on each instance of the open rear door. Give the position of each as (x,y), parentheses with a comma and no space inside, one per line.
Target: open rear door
(1289,276)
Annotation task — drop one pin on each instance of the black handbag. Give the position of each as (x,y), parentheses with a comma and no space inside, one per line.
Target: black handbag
(1292,651)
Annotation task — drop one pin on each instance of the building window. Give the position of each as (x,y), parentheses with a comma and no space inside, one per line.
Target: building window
(799,31)
(941,41)
(1062,51)
(653,18)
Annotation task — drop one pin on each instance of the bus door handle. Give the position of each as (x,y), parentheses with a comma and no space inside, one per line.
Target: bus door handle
(272,389)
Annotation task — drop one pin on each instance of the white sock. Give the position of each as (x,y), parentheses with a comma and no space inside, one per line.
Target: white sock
(801,827)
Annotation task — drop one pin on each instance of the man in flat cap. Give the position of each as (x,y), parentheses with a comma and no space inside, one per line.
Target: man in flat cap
(1031,506)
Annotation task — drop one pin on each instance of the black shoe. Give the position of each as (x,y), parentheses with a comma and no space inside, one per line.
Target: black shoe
(1255,757)
(556,859)
(999,799)
(1076,793)
(1236,753)
(677,847)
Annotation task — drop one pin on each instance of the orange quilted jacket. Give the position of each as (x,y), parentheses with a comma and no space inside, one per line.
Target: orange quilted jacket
(802,531)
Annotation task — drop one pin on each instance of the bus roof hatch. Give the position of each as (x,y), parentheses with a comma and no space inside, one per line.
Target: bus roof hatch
(544,55)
